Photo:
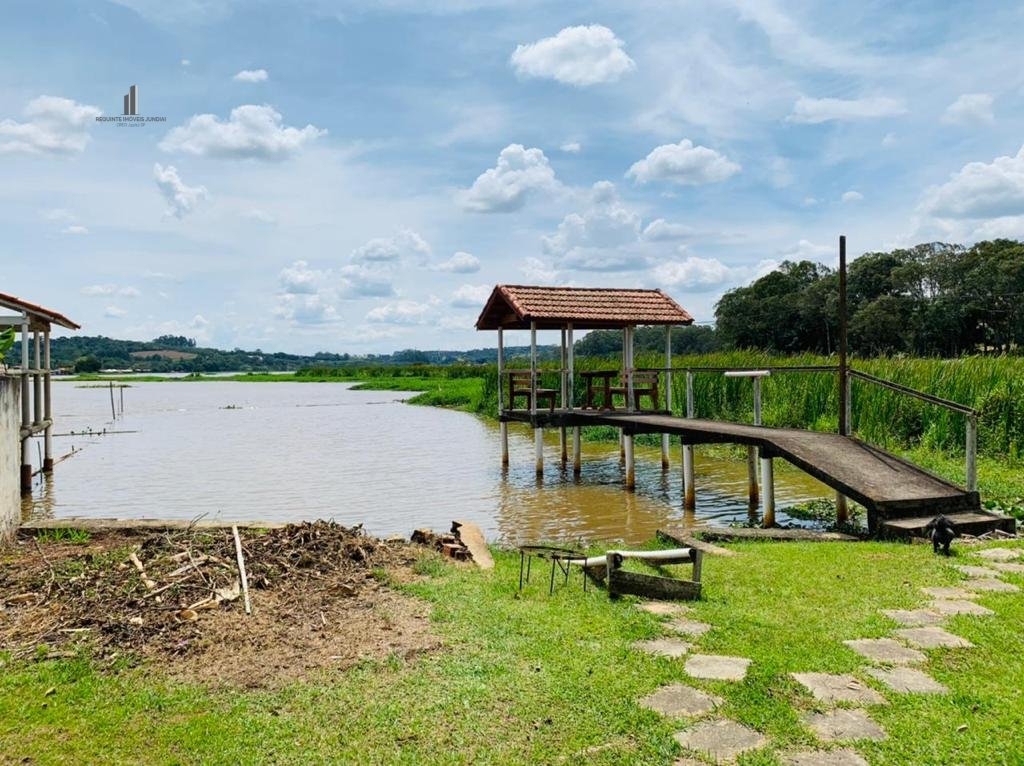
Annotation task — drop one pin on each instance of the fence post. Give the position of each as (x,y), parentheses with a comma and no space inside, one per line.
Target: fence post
(972,452)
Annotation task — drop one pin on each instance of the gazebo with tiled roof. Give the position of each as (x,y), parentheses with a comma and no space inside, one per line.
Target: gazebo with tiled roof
(533,308)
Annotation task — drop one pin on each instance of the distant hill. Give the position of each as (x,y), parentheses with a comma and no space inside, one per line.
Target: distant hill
(175,353)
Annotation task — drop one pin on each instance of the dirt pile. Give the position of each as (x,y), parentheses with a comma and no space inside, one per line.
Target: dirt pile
(318,590)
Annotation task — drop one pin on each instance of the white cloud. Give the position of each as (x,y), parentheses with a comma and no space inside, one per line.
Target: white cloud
(571,147)
(805,250)
(126,291)
(460,263)
(186,62)
(660,230)
(305,309)
(980,190)
(706,274)
(75,229)
(889,139)
(251,132)
(504,188)
(181,199)
(114,312)
(970,109)
(606,224)
(471,296)
(852,196)
(360,281)
(684,164)
(392,249)
(402,312)
(299,279)
(538,272)
(54,126)
(251,75)
(575,56)
(815,110)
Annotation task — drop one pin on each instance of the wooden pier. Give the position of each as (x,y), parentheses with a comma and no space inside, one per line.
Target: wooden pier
(889,487)
(897,494)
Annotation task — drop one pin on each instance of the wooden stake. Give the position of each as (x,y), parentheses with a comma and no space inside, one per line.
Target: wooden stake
(630,464)
(113,413)
(241,568)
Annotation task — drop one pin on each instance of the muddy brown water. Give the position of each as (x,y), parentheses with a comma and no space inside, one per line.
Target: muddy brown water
(302,451)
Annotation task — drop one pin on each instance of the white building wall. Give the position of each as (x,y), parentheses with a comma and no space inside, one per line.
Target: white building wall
(10,457)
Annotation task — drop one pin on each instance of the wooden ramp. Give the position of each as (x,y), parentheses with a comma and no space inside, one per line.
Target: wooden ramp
(888,486)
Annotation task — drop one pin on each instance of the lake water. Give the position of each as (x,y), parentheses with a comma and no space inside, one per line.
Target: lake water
(302,451)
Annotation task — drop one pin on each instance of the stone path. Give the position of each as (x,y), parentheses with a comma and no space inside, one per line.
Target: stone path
(895,663)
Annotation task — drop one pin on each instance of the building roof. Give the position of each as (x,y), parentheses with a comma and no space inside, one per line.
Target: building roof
(587,308)
(38,315)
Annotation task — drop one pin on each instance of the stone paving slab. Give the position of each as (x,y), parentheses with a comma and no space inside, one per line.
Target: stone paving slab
(913,617)
(1000,554)
(663,647)
(844,757)
(948,592)
(932,638)
(841,724)
(959,607)
(721,740)
(664,608)
(680,701)
(688,627)
(838,688)
(886,650)
(717,667)
(989,585)
(908,680)
(973,571)
(1003,566)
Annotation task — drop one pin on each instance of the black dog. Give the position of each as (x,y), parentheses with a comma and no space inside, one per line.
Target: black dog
(941,532)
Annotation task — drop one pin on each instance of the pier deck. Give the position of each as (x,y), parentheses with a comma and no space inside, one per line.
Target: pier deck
(888,486)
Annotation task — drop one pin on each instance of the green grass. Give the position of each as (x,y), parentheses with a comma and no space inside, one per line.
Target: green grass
(62,535)
(532,678)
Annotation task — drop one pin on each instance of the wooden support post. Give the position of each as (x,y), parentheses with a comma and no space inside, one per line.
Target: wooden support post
(533,368)
(689,489)
(577,462)
(690,407)
(842,509)
(563,379)
(563,443)
(538,449)
(622,448)
(571,381)
(47,406)
(26,412)
(768,491)
(628,350)
(501,371)
(503,427)
(630,464)
(37,381)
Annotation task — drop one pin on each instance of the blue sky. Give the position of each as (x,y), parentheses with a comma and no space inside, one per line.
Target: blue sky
(356,176)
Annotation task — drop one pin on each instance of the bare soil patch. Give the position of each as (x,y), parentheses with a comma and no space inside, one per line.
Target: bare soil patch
(319,592)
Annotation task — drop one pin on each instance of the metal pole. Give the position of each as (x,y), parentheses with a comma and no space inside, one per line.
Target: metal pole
(972,453)
(668,393)
(844,426)
(538,449)
(629,370)
(538,434)
(689,394)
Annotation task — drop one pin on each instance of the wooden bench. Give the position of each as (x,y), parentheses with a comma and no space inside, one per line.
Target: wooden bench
(520,384)
(644,384)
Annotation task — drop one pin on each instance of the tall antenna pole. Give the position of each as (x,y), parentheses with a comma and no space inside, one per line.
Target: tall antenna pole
(844,426)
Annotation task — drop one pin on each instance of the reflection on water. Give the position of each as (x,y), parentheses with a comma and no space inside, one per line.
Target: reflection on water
(292,451)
